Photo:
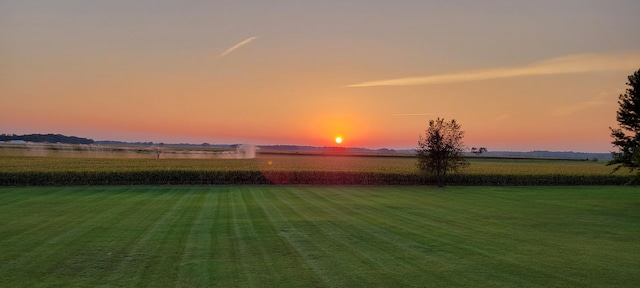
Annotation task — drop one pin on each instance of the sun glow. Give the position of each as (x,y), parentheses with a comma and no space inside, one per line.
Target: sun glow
(338,140)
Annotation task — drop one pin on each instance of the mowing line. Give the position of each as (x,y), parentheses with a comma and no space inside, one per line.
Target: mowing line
(100,255)
(172,241)
(195,262)
(417,235)
(286,233)
(240,240)
(331,245)
(59,243)
(357,238)
(259,239)
(280,257)
(427,255)
(136,258)
(55,210)
(226,259)
(443,226)
(304,242)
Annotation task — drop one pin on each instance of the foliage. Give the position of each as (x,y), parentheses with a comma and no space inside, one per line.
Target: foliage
(440,150)
(478,151)
(46,138)
(627,135)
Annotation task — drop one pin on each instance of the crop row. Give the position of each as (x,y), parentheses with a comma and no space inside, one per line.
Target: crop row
(289,177)
(294,163)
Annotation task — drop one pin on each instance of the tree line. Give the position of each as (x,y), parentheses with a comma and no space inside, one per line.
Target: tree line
(46,138)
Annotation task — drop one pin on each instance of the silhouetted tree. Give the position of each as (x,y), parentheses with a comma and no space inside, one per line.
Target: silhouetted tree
(478,151)
(46,138)
(627,136)
(440,150)
(158,150)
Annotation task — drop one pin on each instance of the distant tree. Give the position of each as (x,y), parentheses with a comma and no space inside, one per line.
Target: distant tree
(627,136)
(478,151)
(46,138)
(157,149)
(440,150)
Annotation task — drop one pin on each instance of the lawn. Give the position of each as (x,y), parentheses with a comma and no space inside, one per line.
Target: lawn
(310,236)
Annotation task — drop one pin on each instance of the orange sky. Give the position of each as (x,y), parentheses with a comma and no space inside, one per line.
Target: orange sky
(517,75)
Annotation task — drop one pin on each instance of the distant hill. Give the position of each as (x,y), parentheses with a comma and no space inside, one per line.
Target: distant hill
(46,138)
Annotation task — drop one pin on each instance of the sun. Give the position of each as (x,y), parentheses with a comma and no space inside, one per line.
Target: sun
(338,140)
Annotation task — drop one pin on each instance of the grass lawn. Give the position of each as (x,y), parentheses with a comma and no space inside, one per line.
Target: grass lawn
(305,236)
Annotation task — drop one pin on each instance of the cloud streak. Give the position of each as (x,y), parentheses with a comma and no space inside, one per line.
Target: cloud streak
(578,107)
(235,47)
(573,64)
(412,114)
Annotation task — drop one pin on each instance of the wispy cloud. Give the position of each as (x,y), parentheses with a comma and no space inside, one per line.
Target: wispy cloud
(502,117)
(580,106)
(412,114)
(234,47)
(572,64)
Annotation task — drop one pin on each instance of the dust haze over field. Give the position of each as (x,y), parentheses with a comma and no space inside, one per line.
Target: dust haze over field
(242,151)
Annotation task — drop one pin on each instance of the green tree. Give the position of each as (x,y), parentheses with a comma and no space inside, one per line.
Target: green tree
(440,150)
(626,137)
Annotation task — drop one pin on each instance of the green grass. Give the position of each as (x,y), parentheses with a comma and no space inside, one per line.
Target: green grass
(307,236)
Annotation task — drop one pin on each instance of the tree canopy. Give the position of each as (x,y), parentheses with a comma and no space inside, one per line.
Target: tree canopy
(626,137)
(46,138)
(440,149)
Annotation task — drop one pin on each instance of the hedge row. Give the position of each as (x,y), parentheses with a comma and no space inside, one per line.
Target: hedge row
(289,178)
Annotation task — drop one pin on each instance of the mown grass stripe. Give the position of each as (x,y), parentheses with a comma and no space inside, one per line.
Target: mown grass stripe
(241,238)
(171,240)
(137,252)
(195,264)
(58,204)
(493,246)
(227,266)
(447,235)
(334,250)
(397,245)
(297,266)
(304,242)
(257,238)
(382,262)
(72,233)
(275,254)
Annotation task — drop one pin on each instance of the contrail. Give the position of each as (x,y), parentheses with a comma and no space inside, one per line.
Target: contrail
(412,114)
(572,64)
(234,47)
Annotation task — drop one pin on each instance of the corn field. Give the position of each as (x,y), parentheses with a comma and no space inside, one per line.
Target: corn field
(295,169)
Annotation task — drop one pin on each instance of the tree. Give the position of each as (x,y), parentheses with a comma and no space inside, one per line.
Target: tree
(478,151)
(157,149)
(440,150)
(627,136)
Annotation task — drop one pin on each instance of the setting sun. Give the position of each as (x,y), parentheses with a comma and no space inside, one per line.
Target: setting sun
(338,140)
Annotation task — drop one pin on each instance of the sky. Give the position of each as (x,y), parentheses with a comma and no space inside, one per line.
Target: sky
(518,75)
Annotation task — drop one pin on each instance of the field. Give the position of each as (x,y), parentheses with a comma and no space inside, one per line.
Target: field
(186,235)
(295,169)
(292,236)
